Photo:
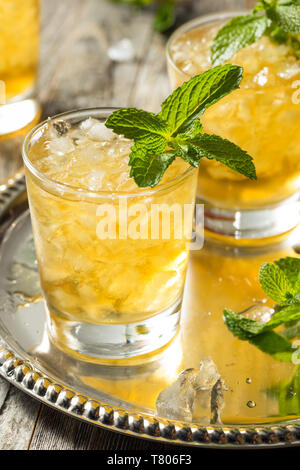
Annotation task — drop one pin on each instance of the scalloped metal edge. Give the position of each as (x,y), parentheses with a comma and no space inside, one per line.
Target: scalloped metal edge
(29,379)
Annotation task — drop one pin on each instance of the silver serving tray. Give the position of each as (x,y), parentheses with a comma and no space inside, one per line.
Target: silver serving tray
(122,398)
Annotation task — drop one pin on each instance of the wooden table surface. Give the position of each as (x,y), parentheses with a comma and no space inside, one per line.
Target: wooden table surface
(76,71)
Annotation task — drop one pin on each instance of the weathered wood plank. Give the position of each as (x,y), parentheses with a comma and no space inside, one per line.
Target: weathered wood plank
(58,21)
(152,86)
(4,387)
(54,431)
(18,415)
(85,74)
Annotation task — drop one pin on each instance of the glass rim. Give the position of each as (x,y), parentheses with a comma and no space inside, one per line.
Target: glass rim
(198,21)
(84,192)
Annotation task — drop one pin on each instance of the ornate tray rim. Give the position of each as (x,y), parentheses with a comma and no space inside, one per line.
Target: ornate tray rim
(27,377)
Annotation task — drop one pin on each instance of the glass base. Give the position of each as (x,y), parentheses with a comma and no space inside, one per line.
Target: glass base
(114,341)
(262,222)
(17,115)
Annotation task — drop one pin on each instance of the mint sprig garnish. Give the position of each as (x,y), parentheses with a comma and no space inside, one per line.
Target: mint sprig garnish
(279,19)
(176,130)
(281,282)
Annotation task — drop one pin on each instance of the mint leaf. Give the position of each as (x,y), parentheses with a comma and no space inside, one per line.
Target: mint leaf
(214,147)
(149,170)
(240,32)
(145,128)
(135,123)
(275,283)
(275,345)
(286,16)
(285,315)
(186,104)
(246,328)
(291,268)
(242,327)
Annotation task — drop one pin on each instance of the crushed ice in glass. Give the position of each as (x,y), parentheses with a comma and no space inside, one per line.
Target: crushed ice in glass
(88,155)
(84,155)
(96,130)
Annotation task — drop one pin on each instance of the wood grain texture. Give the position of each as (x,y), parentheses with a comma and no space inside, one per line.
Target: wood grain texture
(75,71)
(18,415)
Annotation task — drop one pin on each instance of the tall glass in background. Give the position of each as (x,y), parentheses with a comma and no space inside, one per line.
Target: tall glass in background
(19,48)
(262,117)
(114,295)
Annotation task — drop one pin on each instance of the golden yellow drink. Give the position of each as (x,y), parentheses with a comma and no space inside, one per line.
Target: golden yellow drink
(262,117)
(97,269)
(19,37)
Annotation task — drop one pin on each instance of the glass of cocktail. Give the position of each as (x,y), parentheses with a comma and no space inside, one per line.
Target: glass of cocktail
(19,40)
(112,256)
(262,117)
